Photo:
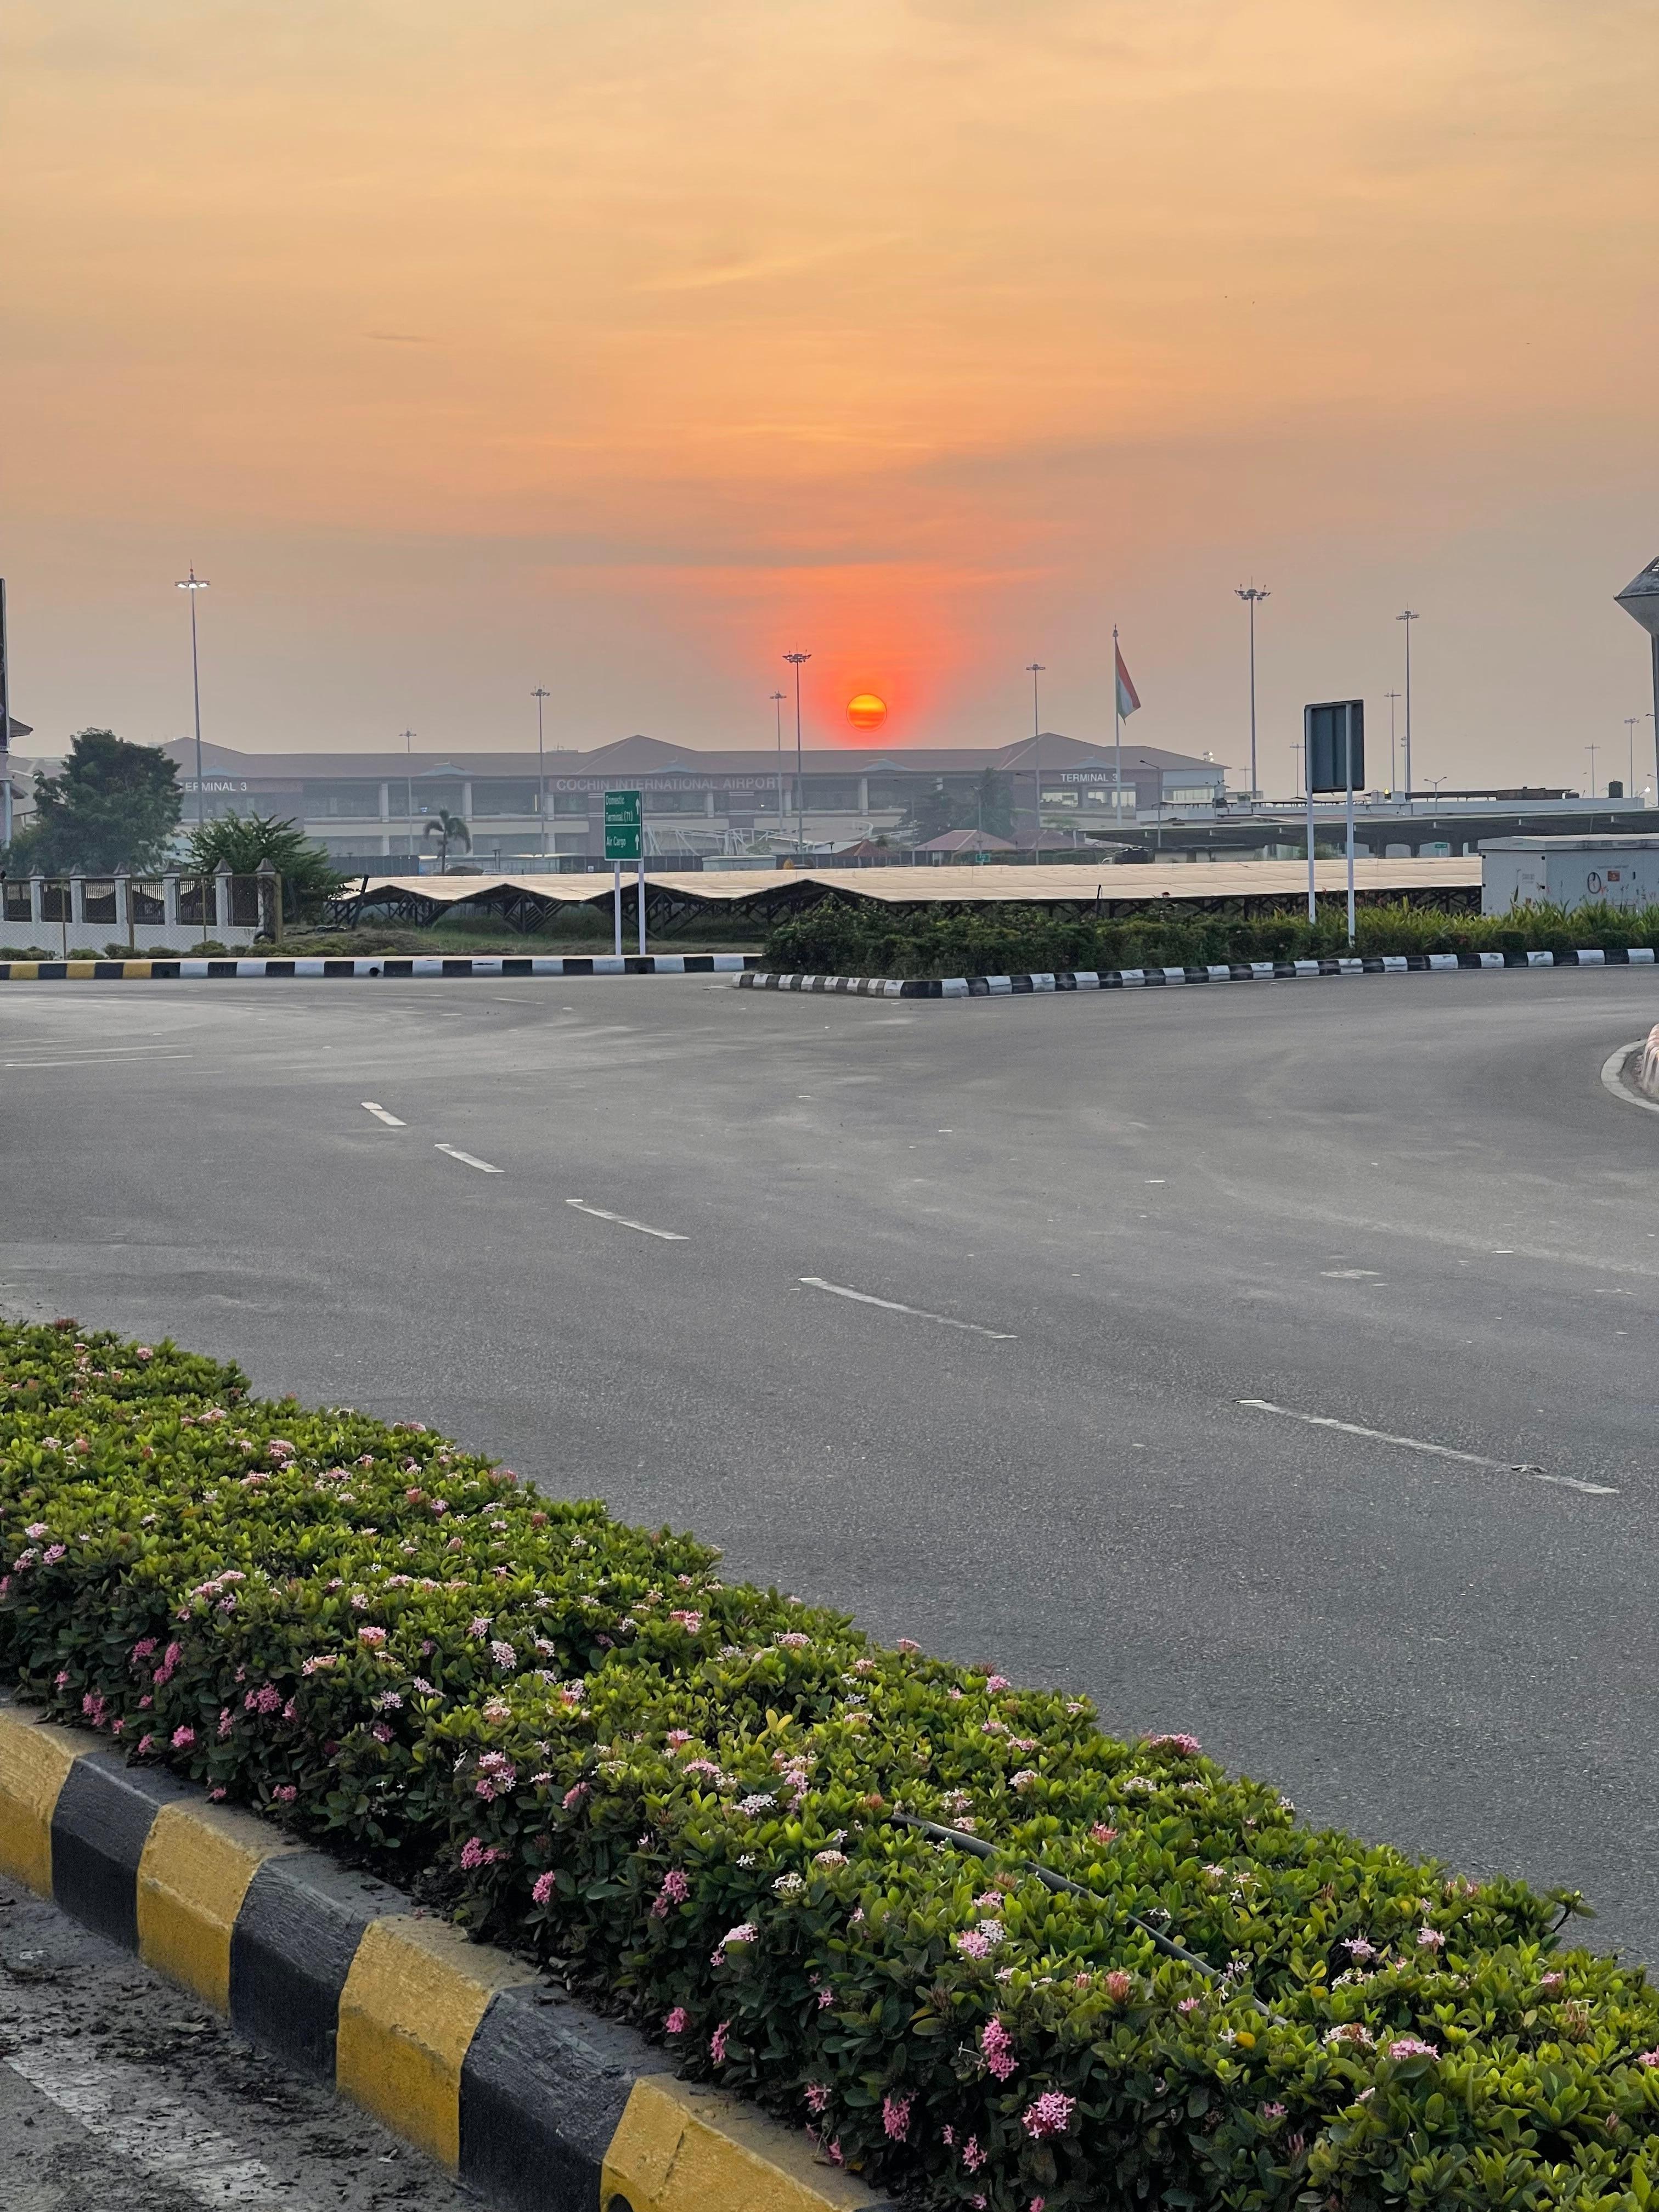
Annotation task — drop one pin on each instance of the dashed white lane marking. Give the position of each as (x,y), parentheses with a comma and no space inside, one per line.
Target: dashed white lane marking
(1434,1451)
(468,1159)
(644,1228)
(126,2107)
(380,1114)
(83,1058)
(1612,1072)
(892,1305)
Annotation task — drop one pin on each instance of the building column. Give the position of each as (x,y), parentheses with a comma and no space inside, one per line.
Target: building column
(170,902)
(124,906)
(77,899)
(386,802)
(708,802)
(864,794)
(37,897)
(221,897)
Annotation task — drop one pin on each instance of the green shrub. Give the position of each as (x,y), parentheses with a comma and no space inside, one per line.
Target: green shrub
(679,1793)
(837,937)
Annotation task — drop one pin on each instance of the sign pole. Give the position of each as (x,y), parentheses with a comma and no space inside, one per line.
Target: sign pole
(1307,757)
(615,904)
(1347,747)
(639,895)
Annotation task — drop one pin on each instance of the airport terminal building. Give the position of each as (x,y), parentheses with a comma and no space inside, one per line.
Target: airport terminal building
(372,809)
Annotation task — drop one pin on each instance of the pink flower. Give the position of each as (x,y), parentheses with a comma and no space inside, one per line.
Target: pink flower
(1429,1939)
(1050,2115)
(675,2022)
(972,2156)
(1187,1746)
(144,1744)
(972,1944)
(717,2043)
(998,2045)
(143,1649)
(675,1888)
(573,1797)
(690,1622)
(1647,2058)
(1100,1834)
(227,1721)
(183,1738)
(503,1654)
(1272,2112)
(285,1793)
(372,1636)
(52,1554)
(826,1998)
(818,2096)
(907,1643)
(1412,2046)
(1025,1778)
(896,2118)
(543,1888)
(1119,1986)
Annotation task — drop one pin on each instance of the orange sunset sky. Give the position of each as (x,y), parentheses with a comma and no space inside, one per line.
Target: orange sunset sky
(621,345)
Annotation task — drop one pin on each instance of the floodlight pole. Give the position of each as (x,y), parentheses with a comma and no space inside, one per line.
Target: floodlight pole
(1631,721)
(1394,787)
(796,658)
(193,584)
(409,797)
(1250,596)
(1408,619)
(778,698)
(1034,670)
(538,695)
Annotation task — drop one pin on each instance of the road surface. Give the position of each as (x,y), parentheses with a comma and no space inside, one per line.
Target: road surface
(1008,1325)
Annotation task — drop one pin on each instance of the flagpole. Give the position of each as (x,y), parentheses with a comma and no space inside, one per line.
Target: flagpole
(1117,735)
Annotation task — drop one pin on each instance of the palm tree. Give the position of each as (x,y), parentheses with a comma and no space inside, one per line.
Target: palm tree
(449,829)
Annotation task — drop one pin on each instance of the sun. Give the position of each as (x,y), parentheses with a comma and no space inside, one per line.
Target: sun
(866,712)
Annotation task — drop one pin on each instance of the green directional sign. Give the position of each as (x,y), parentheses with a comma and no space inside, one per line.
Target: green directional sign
(622,825)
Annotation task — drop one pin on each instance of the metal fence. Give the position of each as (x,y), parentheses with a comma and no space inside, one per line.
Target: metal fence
(141,914)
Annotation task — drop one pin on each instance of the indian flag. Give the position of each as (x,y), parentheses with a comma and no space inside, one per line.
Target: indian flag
(1128,698)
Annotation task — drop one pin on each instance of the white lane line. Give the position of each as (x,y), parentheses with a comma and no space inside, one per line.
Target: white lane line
(1613,1070)
(468,1160)
(920,1313)
(125,2105)
(1435,1451)
(380,1114)
(86,1059)
(599,1213)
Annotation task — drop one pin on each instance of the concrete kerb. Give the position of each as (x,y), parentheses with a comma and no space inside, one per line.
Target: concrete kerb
(274,969)
(1132,979)
(461,2049)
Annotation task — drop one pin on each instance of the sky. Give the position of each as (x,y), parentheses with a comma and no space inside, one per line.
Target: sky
(622,346)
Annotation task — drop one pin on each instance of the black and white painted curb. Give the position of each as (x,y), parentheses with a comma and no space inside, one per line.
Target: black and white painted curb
(1135,979)
(236,970)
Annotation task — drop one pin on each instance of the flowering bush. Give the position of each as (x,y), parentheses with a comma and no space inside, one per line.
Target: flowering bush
(677,1793)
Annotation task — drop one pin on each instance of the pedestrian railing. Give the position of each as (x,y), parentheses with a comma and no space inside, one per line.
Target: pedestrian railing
(174,910)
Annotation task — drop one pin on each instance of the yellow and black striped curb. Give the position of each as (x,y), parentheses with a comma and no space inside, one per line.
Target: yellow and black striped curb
(234,969)
(464,2051)
(1134,979)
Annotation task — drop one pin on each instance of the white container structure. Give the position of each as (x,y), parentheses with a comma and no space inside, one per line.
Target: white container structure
(1568,871)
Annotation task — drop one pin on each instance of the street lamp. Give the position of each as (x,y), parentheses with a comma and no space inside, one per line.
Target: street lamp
(778,698)
(1250,595)
(1632,723)
(1394,787)
(1034,669)
(193,584)
(408,798)
(1408,619)
(1592,750)
(538,695)
(795,660)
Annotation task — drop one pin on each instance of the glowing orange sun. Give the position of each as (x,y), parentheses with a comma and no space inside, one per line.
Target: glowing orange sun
(866,711)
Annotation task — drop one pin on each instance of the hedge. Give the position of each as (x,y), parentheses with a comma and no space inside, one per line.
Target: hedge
(682,1796)
(837,937)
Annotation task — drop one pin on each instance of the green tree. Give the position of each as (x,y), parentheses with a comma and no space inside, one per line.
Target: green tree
(449,829)
(112,805)
(241,841)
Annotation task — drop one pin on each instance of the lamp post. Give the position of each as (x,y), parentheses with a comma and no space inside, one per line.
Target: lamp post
(1592,750)
(778,698)
(1394,787)
(795,660)
(408,798)
(1250,595)
(1631,723)
(538,695)
(193,584)
(1408,619)
(1034,670)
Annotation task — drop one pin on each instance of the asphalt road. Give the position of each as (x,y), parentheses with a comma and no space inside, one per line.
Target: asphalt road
(119,2091)
(1404,1204)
